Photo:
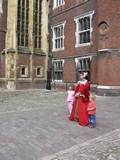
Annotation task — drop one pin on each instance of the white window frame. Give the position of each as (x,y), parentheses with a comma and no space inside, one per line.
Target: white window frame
(57,3)
(82,58)
(84,65)
(61,37)
(76,19)
(26,71)
(54,80)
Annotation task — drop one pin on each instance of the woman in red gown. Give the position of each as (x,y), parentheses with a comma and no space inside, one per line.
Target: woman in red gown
(79,110)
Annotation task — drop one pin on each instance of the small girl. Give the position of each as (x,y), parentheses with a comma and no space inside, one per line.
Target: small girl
(70,98)
(92,111)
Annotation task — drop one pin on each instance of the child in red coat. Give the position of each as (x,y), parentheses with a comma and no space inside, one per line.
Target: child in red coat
(92,111)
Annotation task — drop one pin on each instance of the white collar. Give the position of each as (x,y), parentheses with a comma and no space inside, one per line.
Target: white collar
(82,81)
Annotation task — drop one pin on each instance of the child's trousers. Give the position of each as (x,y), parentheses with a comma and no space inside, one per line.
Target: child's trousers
(92,120)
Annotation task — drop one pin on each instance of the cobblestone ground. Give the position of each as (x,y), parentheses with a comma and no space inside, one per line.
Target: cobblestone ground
(105,147)
(34,126)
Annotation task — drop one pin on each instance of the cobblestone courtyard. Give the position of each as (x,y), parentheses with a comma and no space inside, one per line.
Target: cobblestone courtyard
(34,126)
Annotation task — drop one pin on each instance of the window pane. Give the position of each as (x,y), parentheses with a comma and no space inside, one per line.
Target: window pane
(61,42)
(58,37)
(84,30)
(84,37)
(61,33)
(81,38)
(87,22)
(23,71)
(58,70)
(84,64)
(88,36)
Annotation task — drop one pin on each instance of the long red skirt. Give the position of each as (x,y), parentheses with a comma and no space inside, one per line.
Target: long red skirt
(79,112)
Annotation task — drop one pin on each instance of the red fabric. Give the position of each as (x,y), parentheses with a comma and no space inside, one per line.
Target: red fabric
(91,107)
(81,103)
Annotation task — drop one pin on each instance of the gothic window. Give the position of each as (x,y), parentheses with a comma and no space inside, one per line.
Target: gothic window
(37,23)
(22,22)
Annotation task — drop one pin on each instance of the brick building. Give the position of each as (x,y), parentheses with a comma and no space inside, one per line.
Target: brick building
(23,43)
(85,36)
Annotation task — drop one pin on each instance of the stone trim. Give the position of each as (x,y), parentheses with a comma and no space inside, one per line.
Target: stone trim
(24,79)
(108,87)
(25,50)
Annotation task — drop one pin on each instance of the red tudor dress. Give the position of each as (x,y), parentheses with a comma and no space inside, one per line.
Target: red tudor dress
(79,111)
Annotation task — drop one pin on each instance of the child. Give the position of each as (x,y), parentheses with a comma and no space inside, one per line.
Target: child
(92,111)
(70,98)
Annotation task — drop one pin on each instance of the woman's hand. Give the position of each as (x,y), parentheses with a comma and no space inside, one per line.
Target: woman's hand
(77,95)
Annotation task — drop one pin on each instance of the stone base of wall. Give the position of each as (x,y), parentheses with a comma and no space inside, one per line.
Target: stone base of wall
(19,85)
(28,85)
(60,86)
(103,91)
(39,84)
(108,90)
(2,84)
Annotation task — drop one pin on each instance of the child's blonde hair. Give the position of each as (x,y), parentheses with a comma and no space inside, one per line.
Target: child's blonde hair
(71,86)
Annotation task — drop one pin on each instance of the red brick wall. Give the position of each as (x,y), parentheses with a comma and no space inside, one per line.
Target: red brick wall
(38,61)
(69,71)
(109,11)
(108,69)
(93,72)
(23,59)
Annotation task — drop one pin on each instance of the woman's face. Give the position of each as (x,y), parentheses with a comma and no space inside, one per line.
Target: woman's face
(81,76)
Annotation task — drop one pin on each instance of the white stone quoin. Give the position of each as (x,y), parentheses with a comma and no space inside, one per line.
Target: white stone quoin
(1,9)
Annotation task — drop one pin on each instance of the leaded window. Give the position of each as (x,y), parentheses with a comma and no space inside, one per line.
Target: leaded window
(58,37)
(22,22)
(58,3)
(58,70)
(37,23)
(84,29)
(83,65)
